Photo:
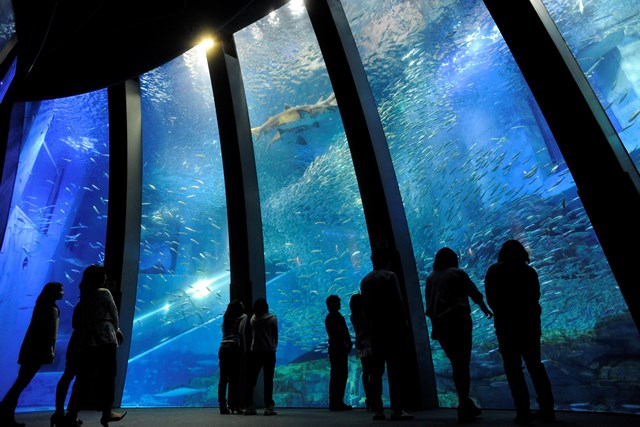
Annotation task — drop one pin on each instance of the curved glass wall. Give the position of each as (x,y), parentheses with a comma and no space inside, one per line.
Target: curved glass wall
(477,165)
(183,281)
(7,79)
(57,224)
(604,37)
(315,237)
(7,22)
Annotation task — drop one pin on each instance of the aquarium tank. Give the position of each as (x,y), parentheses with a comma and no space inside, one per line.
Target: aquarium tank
(476,165)
(183,278)
(7,22)
(315,236)
(604,37)
(57,223)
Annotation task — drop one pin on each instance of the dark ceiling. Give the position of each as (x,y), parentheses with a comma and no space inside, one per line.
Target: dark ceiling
(67,47)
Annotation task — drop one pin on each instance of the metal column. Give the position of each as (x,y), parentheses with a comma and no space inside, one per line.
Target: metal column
(122,246)
(246,245)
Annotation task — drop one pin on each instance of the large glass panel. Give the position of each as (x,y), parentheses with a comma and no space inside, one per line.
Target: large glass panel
(56,227)
(477,165)
(7,79)
(7,22)
(315,237)
(183,281)
(604,37)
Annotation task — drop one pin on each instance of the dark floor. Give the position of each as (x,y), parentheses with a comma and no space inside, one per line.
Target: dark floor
(192,417)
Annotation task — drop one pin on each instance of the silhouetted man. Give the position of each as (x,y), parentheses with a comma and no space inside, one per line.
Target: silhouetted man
(384,310)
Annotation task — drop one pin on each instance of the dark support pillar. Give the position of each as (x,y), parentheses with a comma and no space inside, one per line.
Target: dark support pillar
(241,183)
(123,228)
(383,209)
(607,181)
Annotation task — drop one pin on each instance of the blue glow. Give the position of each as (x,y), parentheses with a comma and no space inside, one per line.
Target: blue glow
(183,282)
(57,224)
(604,37)
(477,165)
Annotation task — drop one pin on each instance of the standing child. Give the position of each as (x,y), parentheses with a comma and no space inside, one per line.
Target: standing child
(339,347)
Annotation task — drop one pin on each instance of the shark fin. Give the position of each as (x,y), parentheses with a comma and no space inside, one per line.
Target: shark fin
(275,137)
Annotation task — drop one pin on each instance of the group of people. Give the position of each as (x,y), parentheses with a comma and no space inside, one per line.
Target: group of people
(381,329)
(90,355)
(251,345)
(379,320)
(513,298)
(380,325)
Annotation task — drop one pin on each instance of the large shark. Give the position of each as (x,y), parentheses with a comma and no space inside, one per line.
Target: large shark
(296,119)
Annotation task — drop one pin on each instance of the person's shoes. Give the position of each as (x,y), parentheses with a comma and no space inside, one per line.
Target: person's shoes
(223,409)
(269,411)
(468,412)
(251,410)
(340,408)
(57,419)
(235,410)
(70,420)
(400,416)
(523,418)
(112,417)
(546,415)
(379,416)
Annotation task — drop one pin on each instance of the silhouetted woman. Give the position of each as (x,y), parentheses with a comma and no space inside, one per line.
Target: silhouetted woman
(513,293)
(95,319)
(363,343)
(69,373)
(264,341)
(230,356)
(447,292)
(38,348)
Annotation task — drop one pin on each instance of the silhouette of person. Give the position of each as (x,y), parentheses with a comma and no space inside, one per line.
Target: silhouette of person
(95,319)
(230,356)
(447,292)
(384,310)
(38,348)
(340,346)
(363,344)
(513,293)
(262,356)
(69,373)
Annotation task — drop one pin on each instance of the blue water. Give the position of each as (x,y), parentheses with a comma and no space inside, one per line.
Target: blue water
(476,165)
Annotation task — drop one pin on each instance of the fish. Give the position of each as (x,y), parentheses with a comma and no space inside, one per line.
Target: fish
(292,119)
(180,392)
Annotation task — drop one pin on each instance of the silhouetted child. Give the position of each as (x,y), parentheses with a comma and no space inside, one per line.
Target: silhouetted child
(38,348)
(339,347)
